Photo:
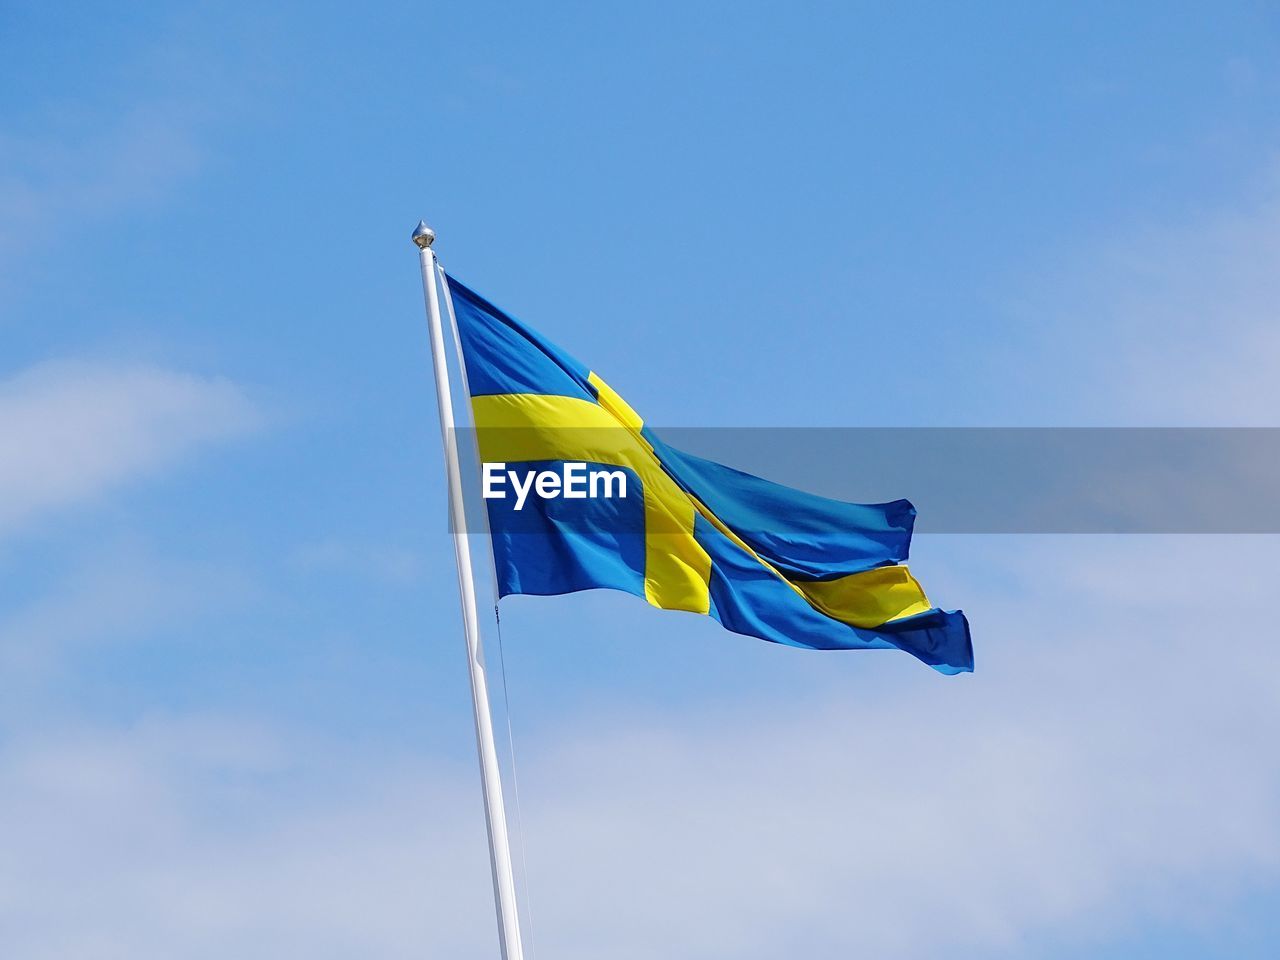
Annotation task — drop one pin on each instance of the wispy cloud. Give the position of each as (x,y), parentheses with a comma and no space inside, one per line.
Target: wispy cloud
(1102,771)
(74,431)
(1110,766)
(1169,324)
(192,836)
(117,593)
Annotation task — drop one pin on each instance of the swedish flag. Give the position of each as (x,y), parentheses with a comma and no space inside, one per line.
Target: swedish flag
(763,559)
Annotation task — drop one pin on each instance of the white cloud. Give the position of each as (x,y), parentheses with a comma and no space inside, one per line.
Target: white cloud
(116,594)
(189,837)
(73,431)
(1192,309)
(1111,765)
(1167,325)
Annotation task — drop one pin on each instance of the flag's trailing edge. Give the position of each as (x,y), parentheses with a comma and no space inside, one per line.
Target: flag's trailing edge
(763,559)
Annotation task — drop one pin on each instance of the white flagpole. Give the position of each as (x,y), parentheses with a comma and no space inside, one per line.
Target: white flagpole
(504,887)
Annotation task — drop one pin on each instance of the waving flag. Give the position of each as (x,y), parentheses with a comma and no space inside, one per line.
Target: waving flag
(764,560)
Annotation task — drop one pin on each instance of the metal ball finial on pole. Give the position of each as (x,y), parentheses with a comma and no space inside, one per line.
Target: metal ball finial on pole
(423,236)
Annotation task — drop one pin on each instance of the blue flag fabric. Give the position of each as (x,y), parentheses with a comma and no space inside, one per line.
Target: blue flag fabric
(763,559)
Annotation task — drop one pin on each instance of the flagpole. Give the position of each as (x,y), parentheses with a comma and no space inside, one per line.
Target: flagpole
(504,887)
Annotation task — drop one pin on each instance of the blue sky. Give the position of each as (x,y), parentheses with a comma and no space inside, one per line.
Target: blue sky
(233,713)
